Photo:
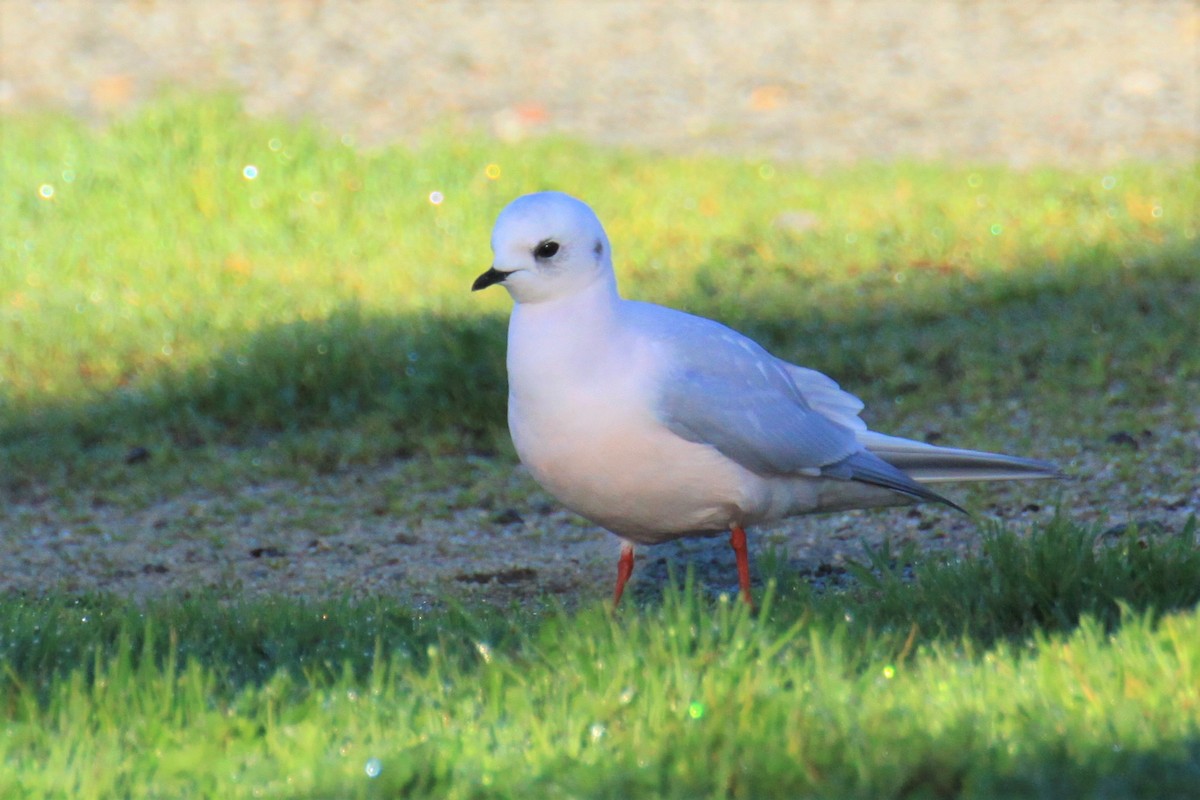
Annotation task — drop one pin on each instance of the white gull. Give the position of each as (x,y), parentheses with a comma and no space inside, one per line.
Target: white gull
(656,424)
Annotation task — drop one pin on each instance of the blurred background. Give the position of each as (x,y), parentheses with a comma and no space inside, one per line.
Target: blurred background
(1012,82)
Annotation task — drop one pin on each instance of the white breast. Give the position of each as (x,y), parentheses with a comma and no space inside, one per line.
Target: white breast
(583,422)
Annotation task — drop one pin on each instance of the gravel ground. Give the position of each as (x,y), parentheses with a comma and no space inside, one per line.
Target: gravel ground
(1011,82)
(1015,82)
(491,534)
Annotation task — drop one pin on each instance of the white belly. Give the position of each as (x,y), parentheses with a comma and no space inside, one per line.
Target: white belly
(624,471)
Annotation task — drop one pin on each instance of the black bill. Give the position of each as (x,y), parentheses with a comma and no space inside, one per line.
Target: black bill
(492,276)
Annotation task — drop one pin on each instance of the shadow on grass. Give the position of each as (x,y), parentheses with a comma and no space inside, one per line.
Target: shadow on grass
(425,383)
(940,767)
(1114,770)
(435,383)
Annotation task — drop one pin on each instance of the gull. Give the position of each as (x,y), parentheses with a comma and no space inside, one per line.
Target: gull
(656,424)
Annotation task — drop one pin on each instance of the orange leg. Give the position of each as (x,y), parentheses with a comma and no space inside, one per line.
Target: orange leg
(624,570)
(737,540)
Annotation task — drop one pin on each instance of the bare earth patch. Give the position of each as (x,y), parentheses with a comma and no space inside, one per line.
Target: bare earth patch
(493,535)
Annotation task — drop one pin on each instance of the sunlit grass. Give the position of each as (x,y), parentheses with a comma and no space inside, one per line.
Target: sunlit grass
(884,691)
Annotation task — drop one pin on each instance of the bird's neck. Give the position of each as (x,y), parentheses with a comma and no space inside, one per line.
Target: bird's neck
(563,330)
(590,308)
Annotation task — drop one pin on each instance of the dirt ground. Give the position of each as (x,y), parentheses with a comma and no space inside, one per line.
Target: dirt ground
(1012,82)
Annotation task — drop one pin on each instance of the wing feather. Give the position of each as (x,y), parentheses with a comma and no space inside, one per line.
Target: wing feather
(725,390)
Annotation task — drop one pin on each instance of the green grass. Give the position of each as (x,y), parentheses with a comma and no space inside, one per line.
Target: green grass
(159,298)
(317,316)
(890,690)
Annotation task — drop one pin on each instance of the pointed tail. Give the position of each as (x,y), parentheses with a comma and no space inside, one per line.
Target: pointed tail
(927,463)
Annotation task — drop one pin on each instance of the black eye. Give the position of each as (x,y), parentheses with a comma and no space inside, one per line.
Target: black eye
(546,249)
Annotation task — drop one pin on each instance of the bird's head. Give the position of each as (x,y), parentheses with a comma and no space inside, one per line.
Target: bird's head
(547,245)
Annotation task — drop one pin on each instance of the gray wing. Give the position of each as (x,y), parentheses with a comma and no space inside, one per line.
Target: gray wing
(772,417)
(725,390)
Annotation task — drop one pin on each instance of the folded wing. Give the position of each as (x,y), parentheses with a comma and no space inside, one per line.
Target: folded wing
(779,419)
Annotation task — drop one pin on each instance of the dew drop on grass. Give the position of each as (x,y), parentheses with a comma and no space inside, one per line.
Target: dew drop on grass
(696,709)
(1108,182)
(46,191)
(249,172)
(597,731)
(436,198)
(373,767)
